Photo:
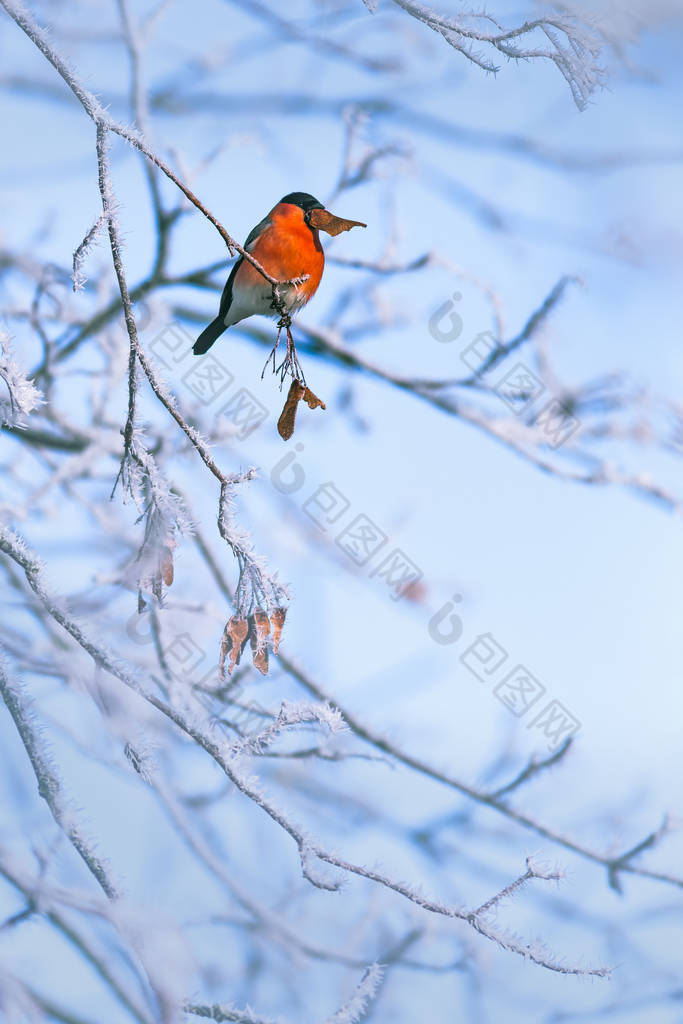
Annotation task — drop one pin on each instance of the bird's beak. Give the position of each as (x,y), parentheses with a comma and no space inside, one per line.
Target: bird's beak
(327,221)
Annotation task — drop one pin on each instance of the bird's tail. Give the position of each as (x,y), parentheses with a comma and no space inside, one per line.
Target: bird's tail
(208,336)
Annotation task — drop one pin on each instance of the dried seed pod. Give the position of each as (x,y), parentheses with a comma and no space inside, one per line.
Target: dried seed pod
(312,401)
(167,567)
(233,643)
(278,619)
(260,659)
(259,628)
(333,225)
(285,425)
(226,646)
(297,392)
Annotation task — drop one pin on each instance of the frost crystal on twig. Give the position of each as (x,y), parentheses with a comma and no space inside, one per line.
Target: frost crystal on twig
(354,1010)
(81,252)
(18,395)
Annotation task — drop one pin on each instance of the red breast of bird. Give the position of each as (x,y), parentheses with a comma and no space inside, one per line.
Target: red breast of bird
(286,247)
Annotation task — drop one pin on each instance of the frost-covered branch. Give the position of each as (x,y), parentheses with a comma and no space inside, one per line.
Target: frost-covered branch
(532,871)
(289,716)
(352,1012)
(55,902)
(614,865)
(355,1009)
(104,123)
(310,850)
(574,46)
(82,250)
(255,585)
(49,784)
(574,459)
(534,768)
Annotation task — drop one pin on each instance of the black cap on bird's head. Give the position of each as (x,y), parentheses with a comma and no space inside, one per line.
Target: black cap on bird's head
(303,199)
(316,216)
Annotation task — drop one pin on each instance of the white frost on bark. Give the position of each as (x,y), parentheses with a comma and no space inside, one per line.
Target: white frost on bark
(18,395)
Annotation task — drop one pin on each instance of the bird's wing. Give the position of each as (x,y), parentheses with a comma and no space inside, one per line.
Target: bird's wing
(252,237)
(255,232)
(226,297)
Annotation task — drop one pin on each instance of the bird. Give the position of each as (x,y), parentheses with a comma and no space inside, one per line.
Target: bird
(287,245)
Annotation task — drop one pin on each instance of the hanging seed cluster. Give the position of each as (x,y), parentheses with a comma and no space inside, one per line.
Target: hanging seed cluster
(255,630)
